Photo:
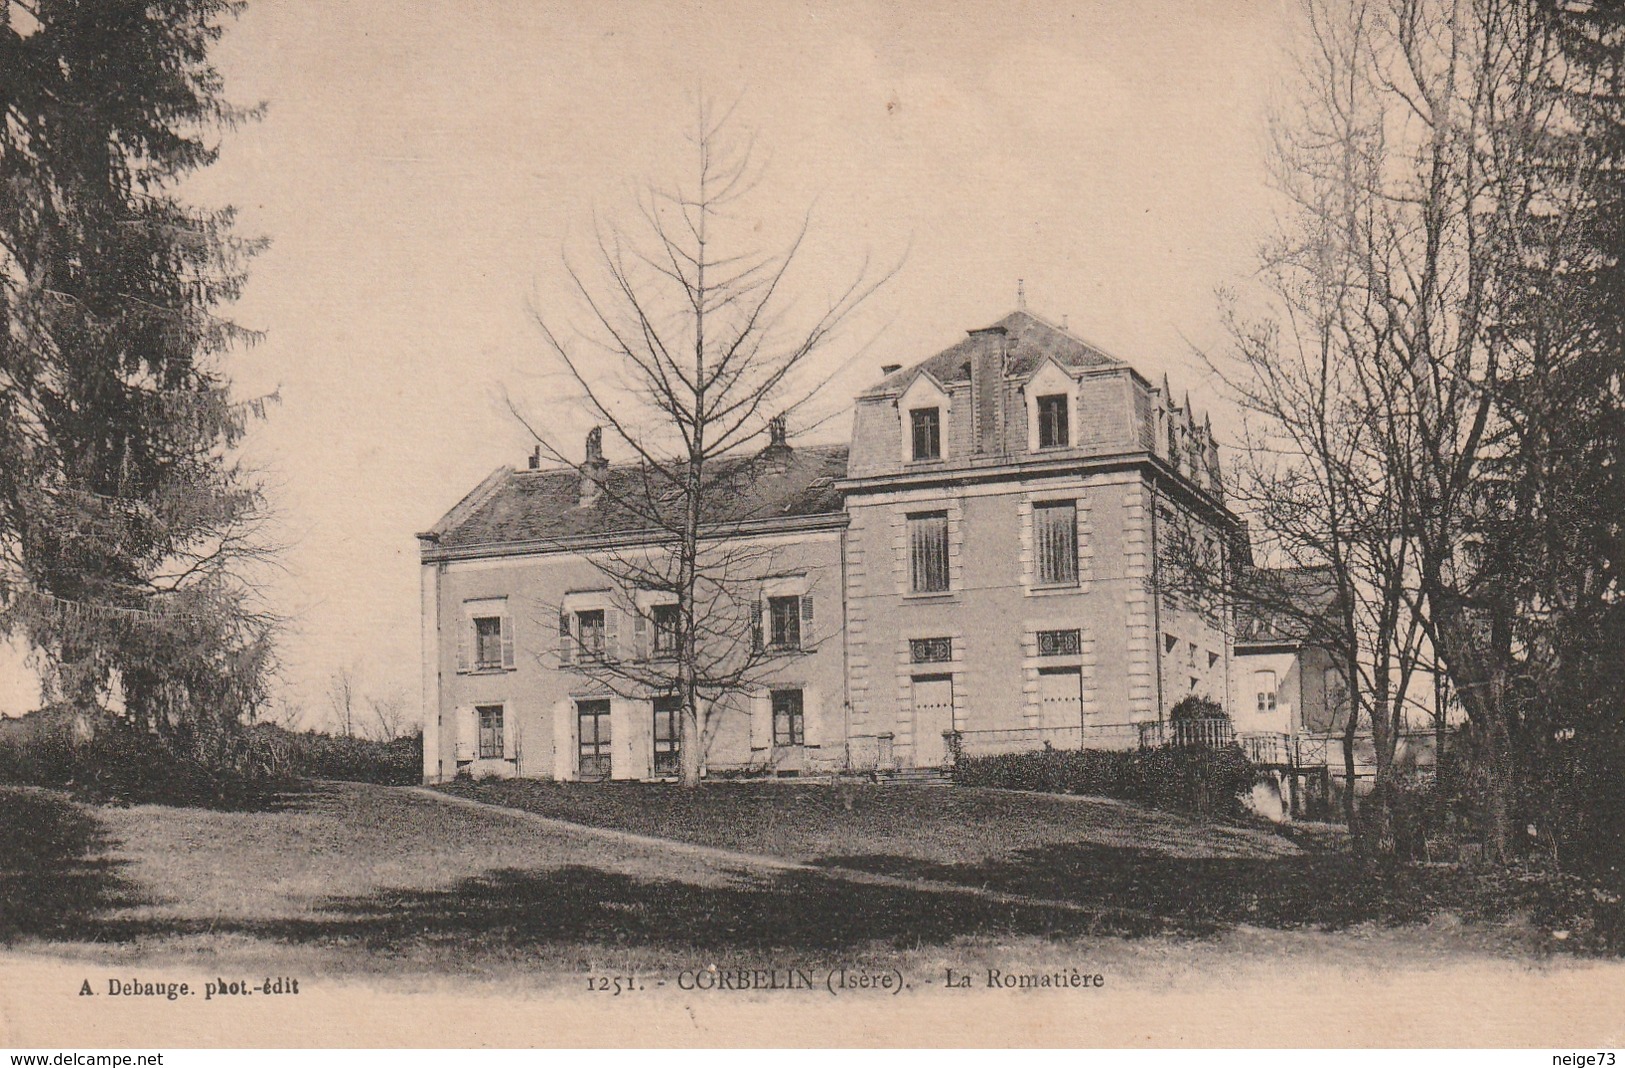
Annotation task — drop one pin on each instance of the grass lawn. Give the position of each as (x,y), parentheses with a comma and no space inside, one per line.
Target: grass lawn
(864,825)
(348,879)
(1196,877)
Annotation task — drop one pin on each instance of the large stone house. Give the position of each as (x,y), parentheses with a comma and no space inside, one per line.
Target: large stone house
(980,570)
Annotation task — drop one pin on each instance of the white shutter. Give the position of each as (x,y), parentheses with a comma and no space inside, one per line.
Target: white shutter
(468,733)
(812,720)
(761,721)
(566,640)
(640,635)
(507,641)
(510,733)
(465,637)
(807,639)
(564,732)
(612,635)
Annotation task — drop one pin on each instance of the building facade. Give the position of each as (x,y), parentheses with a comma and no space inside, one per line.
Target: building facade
(984,568)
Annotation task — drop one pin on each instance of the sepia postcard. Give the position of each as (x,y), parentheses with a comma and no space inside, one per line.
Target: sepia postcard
(533,523)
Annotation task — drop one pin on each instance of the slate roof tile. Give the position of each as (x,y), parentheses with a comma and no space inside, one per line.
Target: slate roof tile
(545,505)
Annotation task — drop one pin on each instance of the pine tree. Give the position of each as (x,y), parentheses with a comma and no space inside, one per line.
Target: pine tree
(1563,543)
(125,521)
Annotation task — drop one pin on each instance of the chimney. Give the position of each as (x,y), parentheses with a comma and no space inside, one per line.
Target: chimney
(987,389)
(536,458)
(776,434)
(594,468)
(889,368)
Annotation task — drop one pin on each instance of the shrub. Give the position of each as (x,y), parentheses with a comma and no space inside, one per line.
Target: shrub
(227,769)
(127,766)
(1196,706)
(309,755)
(1195,779)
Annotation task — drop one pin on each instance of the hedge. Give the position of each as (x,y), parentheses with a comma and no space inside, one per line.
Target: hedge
(240,769)
(1210,782)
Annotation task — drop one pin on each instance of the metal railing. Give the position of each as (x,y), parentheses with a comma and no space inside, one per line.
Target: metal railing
(1215,734)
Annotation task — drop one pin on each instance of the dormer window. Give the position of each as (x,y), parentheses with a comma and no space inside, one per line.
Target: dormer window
(1054,430)
(1050,394)
(925,425)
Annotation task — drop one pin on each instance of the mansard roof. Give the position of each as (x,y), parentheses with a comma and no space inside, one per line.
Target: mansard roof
(751,490)
(1031,341)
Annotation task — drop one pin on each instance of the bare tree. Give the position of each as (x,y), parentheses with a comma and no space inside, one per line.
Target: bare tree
(1417,170)
(691,350)
(391,715)
(342,699)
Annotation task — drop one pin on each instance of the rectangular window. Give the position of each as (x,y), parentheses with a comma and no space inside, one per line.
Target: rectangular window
(667,622)
(1054,430)
(592,734)
(490,717)
(590,634)
(1337,693)
(787,719)
(1264,686)
(930,650)
(784,619)
(926,425)
(487,642)
(1055,534)
(667,712)
(1059,643)
(928,552)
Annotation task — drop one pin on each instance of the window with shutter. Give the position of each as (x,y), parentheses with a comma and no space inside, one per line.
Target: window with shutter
(593,740)
(590,634)
(788,722)
(1055,537)
(490,727)
(667,624)
(666,729)
(784,619)
(928,552)
(487,643)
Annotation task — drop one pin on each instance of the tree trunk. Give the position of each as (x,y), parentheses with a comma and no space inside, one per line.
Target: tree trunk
(1500,788)
(1348,768)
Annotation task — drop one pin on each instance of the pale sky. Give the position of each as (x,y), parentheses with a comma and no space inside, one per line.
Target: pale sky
(422,166)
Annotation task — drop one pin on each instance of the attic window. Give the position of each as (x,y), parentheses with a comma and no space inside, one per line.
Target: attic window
(1053,429)
(926,427)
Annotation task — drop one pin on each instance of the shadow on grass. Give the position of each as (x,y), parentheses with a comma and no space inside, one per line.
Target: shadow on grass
(509,912)
(55,879)
(56,884)
(1325,890)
